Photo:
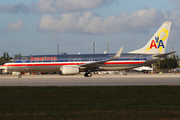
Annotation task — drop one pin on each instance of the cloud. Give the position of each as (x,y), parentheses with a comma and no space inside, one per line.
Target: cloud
(177,2)
(14,8)
(15,26)
(58,6)
(88,23)
(174,36)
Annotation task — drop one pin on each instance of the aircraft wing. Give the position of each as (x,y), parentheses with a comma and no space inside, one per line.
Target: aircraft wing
(98,64)
(164,55)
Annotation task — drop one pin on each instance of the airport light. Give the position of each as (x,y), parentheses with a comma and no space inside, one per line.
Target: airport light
(58,49)
(93,47)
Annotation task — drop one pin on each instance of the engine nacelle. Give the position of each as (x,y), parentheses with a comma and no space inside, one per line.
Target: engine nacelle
(69,70)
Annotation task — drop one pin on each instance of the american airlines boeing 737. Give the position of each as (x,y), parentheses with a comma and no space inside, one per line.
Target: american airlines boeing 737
(152,52)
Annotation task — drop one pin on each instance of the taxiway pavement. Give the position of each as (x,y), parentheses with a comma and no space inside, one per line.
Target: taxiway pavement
(95,80)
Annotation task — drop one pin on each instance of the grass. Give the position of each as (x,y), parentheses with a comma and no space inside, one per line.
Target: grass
(117,102)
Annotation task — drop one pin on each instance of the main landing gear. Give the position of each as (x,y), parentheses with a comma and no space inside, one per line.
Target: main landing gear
(87,74)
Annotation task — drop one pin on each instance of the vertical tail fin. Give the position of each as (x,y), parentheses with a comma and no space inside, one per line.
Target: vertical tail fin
(157,44)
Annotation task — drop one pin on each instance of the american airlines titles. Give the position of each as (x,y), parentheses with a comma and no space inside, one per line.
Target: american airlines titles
(44,58)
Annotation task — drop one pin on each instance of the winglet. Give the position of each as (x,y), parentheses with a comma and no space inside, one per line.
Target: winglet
(118,54)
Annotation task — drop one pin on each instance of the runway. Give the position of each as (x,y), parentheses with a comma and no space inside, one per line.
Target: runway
(95,80)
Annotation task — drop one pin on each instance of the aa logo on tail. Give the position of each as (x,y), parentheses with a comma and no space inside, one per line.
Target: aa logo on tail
(158,42)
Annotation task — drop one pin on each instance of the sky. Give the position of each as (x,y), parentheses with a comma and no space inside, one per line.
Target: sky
(36,26)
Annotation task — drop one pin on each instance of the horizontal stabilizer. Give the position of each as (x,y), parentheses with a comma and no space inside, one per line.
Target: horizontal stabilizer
(164,55)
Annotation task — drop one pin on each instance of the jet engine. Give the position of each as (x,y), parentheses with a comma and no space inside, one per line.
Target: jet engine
(69,70)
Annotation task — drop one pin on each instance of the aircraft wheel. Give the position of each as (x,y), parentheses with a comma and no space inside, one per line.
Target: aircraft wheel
(87,74)
(19,76)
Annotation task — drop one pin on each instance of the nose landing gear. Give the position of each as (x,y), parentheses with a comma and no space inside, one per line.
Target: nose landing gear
(19,76)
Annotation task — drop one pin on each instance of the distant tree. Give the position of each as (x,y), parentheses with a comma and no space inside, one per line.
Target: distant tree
(168,63)
(10,58)
(17,55)
(7,56)
(4,54)
(1,60)
(63,53)
(175,56)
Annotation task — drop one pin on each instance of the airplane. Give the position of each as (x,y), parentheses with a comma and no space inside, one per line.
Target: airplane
(143,69)
(152,52)
(177,70)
